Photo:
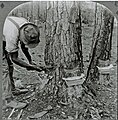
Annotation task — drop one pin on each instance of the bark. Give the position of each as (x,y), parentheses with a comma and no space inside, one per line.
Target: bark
(94,30)
(63,43)
(101,51)
(106,46)
(107,36)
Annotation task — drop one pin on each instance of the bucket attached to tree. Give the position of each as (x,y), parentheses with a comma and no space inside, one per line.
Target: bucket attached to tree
(77,80)
(105,67)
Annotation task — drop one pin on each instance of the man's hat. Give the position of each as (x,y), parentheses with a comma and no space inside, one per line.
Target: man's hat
(29,35)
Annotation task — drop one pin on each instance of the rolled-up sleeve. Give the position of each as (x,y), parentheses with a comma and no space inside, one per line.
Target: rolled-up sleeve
(11,33)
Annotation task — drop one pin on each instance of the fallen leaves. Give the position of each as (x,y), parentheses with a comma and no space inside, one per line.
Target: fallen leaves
(48,108)
(95,114)
(29,96)
(19,115)
(18,84)
(38,115)
(16,105)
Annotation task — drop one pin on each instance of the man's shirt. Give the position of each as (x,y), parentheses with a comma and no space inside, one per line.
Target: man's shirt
(11,32)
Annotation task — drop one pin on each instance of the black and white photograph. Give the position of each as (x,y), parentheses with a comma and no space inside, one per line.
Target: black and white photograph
(59,61)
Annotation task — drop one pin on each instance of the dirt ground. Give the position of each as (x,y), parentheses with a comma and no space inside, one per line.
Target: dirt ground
(37,103)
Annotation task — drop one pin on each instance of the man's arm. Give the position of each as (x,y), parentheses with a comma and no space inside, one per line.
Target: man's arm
(25,51)
(18,61)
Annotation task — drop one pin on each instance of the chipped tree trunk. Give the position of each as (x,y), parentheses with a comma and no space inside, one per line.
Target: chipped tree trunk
(106,45)
(107,36)
(63,44)
(101,51)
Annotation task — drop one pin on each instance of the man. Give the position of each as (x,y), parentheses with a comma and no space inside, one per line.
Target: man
(18,30)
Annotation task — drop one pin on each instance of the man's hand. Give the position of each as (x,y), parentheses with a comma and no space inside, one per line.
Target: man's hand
(34,67)
(32,63)
(41,68)
(48,68)
(18,61)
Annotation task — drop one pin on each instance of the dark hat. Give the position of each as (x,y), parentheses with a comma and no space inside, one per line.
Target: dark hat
(29,35)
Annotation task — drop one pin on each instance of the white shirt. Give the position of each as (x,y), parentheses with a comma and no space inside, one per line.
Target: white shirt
(11,32)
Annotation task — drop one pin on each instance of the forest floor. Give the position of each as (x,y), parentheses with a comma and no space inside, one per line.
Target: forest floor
(39,104)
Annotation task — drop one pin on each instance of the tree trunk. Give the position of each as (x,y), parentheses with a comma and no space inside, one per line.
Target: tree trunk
(63,44)
(106,36)
(106,45)
(94,30)
(101,51)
